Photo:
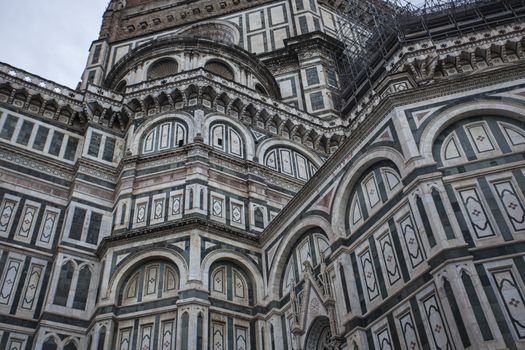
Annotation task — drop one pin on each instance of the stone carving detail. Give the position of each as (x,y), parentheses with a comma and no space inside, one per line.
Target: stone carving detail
(145,343)
(125,339)
(217,207)
(515,135)
(158,209)
(10,278)
(512,298)
(240,338)
(384,341)
(49,226)
(389,259)
(408,329)
(476,213)
(176,205)
(512,204)
(369,275)
(141,212)
(8,207)
(167,335)
(480,138)
(28,221)
(33,282)
(412,241)
(218,336)
(237,213)
(436,323)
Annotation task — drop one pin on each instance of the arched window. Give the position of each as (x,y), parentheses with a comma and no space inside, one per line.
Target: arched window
(164,136)
(229,282)
(258,216)
(372,189)
(478,138)
(64,283)
(227,139)
(311,247)
(219,68)
(190,201)
(101,338)
(82,290)
(151,281)
(50,344)
(163,68)
(123,211)
(290,162)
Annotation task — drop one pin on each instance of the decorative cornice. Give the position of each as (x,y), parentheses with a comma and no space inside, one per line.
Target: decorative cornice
(402,98)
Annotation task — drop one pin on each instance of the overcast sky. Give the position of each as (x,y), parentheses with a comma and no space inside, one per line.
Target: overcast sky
(50,38)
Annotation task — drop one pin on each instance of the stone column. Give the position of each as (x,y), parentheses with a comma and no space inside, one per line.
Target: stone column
(195,276)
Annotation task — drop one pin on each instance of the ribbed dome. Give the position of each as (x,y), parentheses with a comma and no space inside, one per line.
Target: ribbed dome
(163,68)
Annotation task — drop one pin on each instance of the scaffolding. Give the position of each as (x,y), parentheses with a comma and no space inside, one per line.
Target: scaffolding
(371,31)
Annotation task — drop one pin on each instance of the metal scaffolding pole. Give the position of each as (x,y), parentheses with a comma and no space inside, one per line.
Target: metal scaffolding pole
(370,31)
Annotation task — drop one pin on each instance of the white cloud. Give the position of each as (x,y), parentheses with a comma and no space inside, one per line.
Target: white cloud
(50,38)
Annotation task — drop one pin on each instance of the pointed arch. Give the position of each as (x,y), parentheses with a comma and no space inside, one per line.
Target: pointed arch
(51,342)
(82,288)
(65,279)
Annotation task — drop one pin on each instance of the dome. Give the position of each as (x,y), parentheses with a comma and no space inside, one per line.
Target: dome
(168,56)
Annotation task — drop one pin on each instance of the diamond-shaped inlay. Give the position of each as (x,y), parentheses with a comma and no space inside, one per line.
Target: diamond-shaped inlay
(236,214)
(141,213)
(514,302)
(476,212)
(512,206)
(176,206)
(217,208)
(480,138)
(438,328)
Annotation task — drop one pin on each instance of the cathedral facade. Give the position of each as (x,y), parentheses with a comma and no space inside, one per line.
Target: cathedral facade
(214,182)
